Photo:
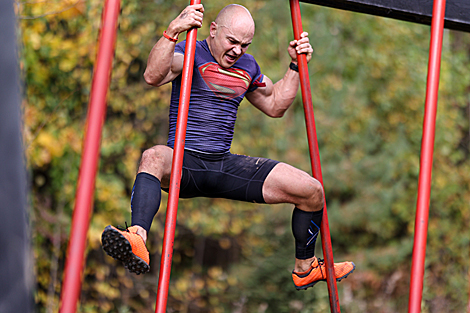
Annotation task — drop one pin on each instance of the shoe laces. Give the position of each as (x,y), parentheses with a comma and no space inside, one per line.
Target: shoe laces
(321,265)
(122,228)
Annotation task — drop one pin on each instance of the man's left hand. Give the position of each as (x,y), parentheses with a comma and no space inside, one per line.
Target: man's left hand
(301,46)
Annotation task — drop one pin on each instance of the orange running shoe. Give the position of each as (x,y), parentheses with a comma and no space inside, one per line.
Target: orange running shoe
(128,247)
(317,273)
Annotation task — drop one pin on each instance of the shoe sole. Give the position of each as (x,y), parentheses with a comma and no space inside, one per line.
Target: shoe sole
(119,248)
(315,282)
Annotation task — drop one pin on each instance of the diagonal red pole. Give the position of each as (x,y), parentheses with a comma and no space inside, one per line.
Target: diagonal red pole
(315,156)
(427,147)
(176,170)
(89,164)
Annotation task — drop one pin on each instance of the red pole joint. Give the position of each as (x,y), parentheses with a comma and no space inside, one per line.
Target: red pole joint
(315,156)
(427,147)
(89,164)
(176,169)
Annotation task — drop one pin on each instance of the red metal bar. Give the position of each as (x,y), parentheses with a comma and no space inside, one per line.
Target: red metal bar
(315,156)
(427,147)
(176,169)
(86,181)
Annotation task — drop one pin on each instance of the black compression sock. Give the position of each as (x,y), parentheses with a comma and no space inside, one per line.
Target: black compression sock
(145,200)
(305,227)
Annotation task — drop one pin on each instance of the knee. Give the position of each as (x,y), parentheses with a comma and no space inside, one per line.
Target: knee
(150,157)
(315,196)
(154,159)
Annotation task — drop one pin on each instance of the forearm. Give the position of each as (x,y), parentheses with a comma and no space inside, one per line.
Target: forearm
(160,60)
(162,65)
(286,89)
(284,92)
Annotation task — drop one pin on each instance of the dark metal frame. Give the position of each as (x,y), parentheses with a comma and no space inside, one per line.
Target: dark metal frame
(457,13)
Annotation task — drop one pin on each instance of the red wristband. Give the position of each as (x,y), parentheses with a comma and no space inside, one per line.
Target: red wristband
(168,37)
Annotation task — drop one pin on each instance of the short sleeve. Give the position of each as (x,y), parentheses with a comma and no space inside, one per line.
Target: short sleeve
(257,77)
(180,47)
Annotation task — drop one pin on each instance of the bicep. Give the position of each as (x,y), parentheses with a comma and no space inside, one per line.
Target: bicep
(175,69)
(262,97)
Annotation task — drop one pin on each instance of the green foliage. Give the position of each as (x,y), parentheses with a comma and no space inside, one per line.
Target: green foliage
(368,78)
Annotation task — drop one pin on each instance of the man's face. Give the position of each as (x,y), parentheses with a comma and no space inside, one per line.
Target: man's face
(228,44)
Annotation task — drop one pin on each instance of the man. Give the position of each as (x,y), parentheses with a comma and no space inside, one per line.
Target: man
(223,76)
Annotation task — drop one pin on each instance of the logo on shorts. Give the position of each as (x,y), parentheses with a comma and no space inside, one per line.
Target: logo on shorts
(225,83)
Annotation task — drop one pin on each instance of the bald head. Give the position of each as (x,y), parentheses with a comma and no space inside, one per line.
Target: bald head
(235,15)
(230,34)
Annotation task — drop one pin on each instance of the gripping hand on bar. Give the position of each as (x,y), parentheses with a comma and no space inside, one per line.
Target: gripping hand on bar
(297,47)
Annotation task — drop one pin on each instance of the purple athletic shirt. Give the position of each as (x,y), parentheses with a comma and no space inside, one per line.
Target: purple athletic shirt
(215,96)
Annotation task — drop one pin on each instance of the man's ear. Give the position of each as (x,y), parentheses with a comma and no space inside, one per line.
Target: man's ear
(213,29)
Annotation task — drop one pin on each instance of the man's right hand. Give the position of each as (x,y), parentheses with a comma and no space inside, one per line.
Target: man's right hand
(191,16)
(164,64)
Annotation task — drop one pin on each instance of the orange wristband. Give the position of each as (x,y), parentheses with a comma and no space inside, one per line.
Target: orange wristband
(168,37)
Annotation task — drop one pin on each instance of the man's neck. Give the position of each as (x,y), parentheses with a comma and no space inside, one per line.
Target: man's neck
(209,43)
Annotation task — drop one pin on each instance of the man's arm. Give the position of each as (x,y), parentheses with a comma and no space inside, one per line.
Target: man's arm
(163,65)
(275,99)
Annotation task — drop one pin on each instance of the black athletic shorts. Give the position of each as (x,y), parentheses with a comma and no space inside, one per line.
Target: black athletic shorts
(224,175)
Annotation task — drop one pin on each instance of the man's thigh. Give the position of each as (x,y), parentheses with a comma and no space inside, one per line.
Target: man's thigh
(287,184)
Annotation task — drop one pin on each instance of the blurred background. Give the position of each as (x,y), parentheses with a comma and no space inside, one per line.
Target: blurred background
(368,77)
